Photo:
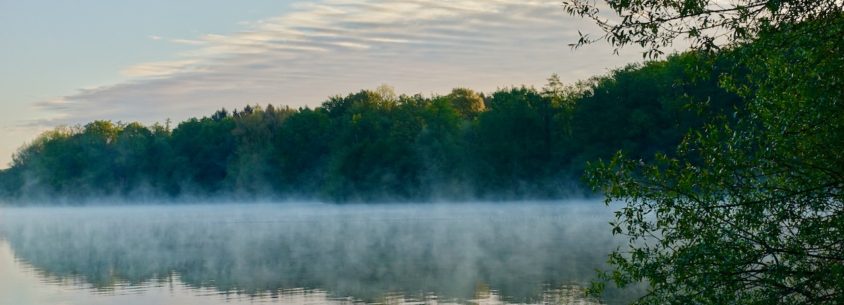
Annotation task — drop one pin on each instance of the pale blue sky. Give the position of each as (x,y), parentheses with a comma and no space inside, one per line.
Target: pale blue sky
(70,62)
(52,48)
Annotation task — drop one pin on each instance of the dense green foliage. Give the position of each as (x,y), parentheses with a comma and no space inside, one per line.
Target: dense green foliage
(516,143)
(750,209)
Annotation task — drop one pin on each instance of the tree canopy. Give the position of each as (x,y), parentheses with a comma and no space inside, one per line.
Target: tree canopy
(375,145)
(749,209)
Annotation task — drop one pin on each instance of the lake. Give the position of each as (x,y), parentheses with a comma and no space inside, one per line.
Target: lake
(309,253)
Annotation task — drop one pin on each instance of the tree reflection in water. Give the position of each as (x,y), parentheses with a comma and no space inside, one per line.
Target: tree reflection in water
(298,254)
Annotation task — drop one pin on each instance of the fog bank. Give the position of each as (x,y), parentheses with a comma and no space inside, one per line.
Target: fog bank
(358,251)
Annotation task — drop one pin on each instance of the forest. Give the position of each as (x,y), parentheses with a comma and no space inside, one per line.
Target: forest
(375,145)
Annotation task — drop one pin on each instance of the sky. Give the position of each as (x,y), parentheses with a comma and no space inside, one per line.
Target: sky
(64,63)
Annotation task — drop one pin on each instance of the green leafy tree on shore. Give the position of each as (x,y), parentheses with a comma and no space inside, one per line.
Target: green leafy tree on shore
(750,210)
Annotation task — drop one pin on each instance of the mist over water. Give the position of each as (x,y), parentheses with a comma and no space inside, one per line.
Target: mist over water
(523,252)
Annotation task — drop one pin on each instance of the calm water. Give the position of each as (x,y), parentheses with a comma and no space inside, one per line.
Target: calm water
(526,253)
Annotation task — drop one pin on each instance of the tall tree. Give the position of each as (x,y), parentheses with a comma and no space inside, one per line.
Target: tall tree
(750,209)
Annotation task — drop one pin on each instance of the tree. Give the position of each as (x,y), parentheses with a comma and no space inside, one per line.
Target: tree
(441,147)
(203,149)
(132,165)
(709,25)
(750,209)
(512,144)
(254,165)
(468,103)
(303,146)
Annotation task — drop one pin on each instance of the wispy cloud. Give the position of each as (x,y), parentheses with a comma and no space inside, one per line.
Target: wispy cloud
(187,41)
(338,46)
(161,68)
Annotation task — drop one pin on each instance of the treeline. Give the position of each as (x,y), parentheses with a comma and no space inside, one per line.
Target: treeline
(516,143)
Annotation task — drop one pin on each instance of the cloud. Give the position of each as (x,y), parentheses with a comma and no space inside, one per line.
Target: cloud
(187,41)
(161,68)
(339,46)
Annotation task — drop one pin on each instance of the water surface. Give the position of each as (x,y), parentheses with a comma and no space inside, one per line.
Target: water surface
(525,252)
